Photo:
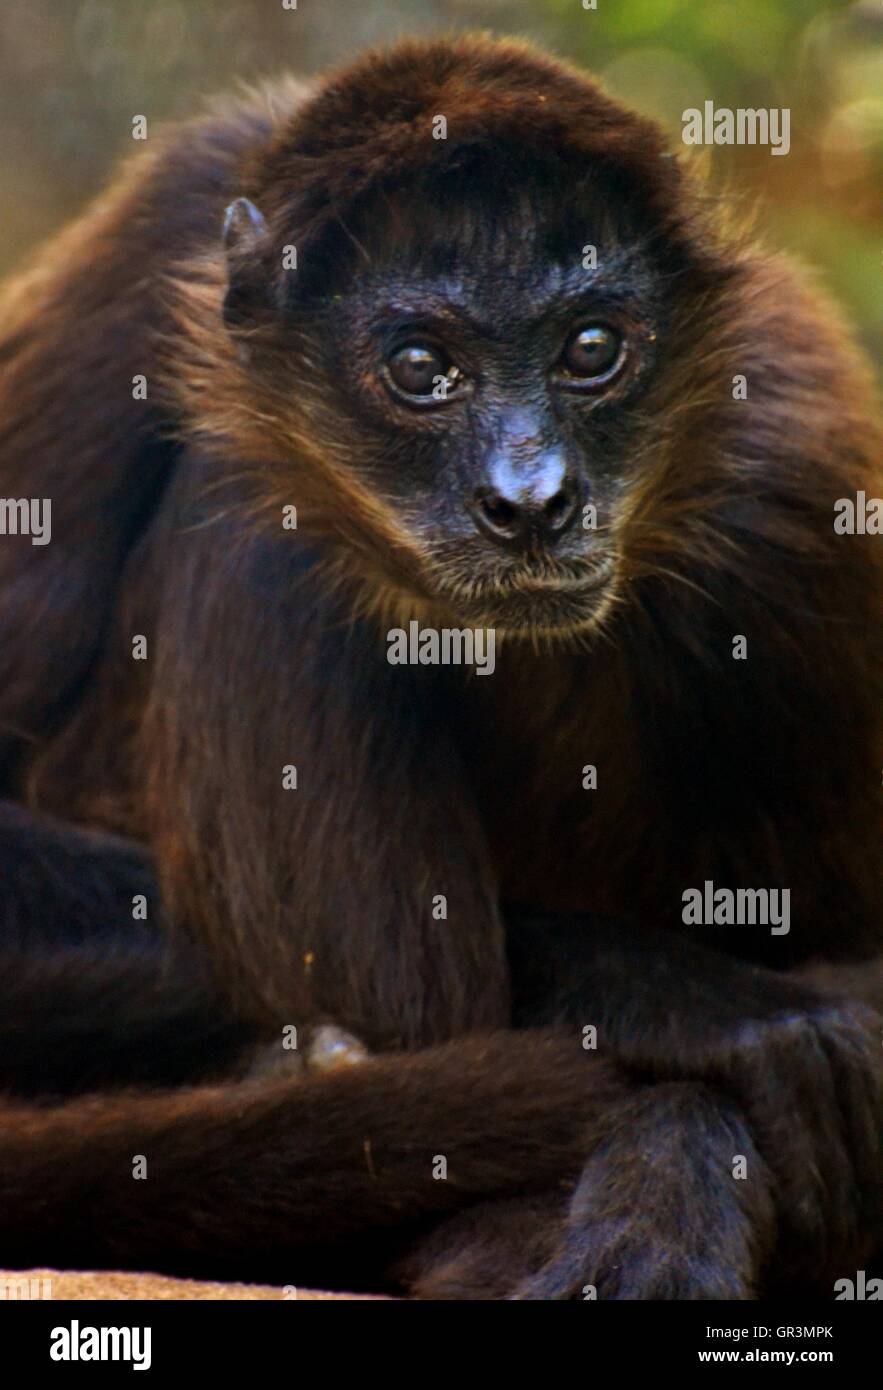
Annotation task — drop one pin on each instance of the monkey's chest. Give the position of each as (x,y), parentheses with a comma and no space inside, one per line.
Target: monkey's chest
(548,833)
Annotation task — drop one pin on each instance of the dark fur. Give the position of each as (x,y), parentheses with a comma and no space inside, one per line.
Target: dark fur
(276,907)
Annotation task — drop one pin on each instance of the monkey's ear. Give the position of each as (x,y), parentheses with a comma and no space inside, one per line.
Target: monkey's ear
(246,239)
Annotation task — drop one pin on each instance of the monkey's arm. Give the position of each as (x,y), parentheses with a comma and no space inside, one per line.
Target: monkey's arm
(78,331)
(330,860)
(805,1066)
(88,1003)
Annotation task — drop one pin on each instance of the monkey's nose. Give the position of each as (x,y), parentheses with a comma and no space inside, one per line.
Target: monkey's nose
(520,517)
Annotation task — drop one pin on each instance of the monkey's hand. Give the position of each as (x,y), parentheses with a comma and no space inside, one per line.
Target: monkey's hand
(657,1214)
(808,1073)
(805,1069)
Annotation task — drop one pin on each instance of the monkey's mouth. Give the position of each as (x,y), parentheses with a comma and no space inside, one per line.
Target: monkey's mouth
(565,584)
(534,601)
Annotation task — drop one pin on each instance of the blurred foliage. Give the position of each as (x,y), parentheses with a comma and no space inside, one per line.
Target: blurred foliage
(74,72)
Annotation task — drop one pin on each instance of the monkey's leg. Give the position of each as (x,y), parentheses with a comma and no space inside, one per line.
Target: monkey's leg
(805,1067)
(254,1177)
(90,997)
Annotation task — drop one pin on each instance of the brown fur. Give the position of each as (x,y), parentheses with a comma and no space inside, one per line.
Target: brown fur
(314,905)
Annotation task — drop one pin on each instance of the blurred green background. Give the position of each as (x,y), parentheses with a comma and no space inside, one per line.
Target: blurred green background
(74,72)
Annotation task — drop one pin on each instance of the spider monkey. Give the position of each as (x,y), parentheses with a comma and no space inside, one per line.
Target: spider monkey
(487,367)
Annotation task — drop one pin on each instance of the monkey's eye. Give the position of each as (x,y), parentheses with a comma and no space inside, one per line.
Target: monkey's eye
(416,370)
(594,353)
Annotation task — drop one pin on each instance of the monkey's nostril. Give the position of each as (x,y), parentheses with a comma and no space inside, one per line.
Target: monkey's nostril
(502,517)
(558,512)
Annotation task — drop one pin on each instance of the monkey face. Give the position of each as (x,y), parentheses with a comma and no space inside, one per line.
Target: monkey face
(489,377)
(468,374)
(467,381)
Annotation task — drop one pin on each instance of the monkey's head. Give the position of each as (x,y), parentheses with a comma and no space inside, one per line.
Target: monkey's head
(453,288)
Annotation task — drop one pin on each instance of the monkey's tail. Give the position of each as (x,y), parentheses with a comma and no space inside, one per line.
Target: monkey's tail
(209,1175)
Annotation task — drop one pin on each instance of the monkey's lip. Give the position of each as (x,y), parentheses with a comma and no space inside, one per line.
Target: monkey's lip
(548,588)
(564,584)
(551,602)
